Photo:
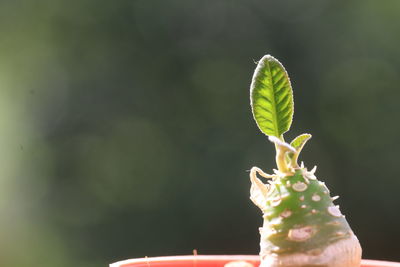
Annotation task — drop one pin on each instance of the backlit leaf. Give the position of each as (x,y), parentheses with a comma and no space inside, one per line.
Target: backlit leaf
(298,144)
(271,97)
(300,141)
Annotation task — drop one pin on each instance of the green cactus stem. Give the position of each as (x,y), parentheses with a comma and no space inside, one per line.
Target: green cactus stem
(302,226)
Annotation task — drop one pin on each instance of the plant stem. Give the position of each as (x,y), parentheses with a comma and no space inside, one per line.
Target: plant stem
(280,159)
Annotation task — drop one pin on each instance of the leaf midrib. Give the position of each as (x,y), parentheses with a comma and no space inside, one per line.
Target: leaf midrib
(274,107)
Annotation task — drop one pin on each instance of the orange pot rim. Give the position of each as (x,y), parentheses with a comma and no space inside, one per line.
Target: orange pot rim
(223,258)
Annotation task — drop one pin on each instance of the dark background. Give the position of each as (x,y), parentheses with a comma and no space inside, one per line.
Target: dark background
(126,131)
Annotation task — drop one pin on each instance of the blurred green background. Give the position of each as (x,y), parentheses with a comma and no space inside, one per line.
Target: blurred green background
(125,127)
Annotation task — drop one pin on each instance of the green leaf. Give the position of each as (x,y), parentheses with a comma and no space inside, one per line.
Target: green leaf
(271,97)
(298,144)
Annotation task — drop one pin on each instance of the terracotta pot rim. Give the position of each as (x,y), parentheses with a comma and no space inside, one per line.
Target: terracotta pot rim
(253,258)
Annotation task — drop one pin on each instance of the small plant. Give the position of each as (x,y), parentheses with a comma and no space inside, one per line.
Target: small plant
(302,227)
